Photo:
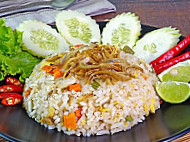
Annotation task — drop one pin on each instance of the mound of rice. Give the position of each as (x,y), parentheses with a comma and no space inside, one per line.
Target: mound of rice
(109,108)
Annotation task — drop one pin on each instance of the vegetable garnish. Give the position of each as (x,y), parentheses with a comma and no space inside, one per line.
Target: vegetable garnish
(78,45)
(128,50)
(122,30)
(40,39)
(76,87)
(4,95)
(176,50)
(58,74)
(28,92)
(163,66)
(95,85)
(47,68)
(129,118)
(13,81)
(12,100)
(173,92)
(70,121)
(10,89)
(178,72)
(155,43)
(56,69)
(78,113)
(13,60)
(77,28)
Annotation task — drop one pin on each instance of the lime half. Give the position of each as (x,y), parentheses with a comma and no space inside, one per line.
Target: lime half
(179,72)
(173,92)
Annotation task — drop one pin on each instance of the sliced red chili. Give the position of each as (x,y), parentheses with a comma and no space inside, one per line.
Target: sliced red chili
(13,81)
(78,45)
(4,95)
(161,67)
(173,52)
(12,100)
(10,89)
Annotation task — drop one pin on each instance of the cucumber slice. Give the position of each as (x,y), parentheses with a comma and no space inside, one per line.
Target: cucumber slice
(77,28)
(40,39)
(156,42)
(122,30)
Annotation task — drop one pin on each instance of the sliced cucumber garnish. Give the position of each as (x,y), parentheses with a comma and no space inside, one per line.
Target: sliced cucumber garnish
(77,28)
(40,39)
(156,42)
(122,30)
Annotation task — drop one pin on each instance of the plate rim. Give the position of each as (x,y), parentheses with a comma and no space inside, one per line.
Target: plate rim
(170,138)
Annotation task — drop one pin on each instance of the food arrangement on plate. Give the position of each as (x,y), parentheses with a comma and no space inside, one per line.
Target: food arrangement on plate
(82,82)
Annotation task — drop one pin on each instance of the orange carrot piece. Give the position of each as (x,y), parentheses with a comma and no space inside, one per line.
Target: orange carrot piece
(78,45)
(56,69)
(75,87)
(70,121)
(78,113)
(58,74)
(161,101)
(47,68)
(27,92)
(145,77)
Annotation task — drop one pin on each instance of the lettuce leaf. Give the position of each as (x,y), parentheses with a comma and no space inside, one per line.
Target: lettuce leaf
(13,60)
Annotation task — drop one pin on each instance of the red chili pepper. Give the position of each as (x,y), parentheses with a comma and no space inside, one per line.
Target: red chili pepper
(13,81)
(78,45)
(12,100)
(10,89)
(176,50)
(161,67)
(4,95)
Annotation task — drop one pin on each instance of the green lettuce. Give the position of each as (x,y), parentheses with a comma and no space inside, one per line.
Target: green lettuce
(13,60)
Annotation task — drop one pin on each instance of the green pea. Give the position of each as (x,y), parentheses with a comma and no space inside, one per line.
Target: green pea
(129,118)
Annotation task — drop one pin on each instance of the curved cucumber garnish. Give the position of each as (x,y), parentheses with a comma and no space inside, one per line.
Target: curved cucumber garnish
(156,42)
(40,39)
(77,28)
(122,30)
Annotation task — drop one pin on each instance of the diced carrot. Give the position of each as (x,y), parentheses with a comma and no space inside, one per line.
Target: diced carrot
(27,92)
(161,101)
(78,113)
(58,74)
(70,121)
(145,77)
(56,69)
(75,87)
(47,68)
(78,45)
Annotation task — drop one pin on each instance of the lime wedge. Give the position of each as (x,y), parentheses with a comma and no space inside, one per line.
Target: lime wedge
(179,72)
(173,92)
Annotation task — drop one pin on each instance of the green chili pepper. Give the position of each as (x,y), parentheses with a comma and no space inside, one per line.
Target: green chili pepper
(127,49)
(95,85)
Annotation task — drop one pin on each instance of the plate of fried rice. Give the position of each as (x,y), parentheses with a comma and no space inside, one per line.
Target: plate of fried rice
(104,94)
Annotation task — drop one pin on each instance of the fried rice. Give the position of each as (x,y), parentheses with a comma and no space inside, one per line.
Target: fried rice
(123,94)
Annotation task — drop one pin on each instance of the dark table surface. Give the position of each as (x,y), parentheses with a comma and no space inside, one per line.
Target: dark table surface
(157,13)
